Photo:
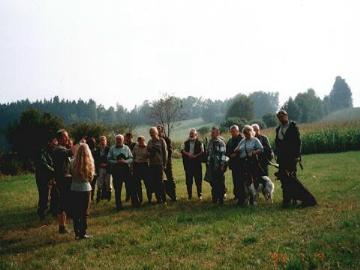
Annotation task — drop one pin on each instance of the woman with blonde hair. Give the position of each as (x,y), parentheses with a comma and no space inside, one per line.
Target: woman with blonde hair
(248,149)
(83,171)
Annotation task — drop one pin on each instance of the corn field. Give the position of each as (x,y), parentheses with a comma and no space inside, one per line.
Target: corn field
(321,137)
(326,137)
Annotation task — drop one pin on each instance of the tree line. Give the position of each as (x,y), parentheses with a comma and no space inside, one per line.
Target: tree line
(257,107)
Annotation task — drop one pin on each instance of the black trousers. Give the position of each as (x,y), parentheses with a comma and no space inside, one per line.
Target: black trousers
(54,199)
(141,173)
(170,189)
(80,211)
(120,177)
(238,185)
(43,192)
(292,188)
(264,168)
(218,186)
(193,171)
(249,173)
(157,183)
(93,185)
(63,193)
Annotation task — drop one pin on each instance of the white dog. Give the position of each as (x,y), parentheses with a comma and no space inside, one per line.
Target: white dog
(266,187)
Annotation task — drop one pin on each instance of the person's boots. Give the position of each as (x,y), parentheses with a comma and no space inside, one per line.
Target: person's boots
(189,191)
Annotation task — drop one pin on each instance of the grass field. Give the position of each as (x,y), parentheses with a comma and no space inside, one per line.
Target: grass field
(196,234)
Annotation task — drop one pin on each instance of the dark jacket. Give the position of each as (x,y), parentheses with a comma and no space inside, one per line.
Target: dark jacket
(101,158)
(169,147)
(230,147)
(61,157)
(197,150)
(290,146)
(44,165)
(267,155)
(131,145)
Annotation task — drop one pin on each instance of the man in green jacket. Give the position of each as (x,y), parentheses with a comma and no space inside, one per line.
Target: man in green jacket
(120,158)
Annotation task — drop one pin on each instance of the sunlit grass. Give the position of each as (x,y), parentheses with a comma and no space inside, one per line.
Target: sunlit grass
(196,234)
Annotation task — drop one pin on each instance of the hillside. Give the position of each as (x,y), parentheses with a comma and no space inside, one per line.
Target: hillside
(181,130)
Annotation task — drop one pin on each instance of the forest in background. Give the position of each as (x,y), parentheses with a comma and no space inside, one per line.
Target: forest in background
(260,107)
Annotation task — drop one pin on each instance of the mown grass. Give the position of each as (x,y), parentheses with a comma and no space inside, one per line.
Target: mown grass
(196,234)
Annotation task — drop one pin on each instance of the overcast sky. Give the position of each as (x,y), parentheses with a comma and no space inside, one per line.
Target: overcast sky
(129,51)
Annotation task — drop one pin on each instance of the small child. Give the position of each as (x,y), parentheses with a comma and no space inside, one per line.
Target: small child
(83,171)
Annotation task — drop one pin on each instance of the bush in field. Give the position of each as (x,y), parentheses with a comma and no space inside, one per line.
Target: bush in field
(10,164)
(260,122)
(203,131)
(225,125)
(80,130)
(270,120)
(241,106)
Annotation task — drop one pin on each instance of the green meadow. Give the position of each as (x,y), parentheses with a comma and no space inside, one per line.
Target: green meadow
(195,234)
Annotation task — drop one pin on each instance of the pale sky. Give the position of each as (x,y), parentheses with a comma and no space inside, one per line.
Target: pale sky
(129,51)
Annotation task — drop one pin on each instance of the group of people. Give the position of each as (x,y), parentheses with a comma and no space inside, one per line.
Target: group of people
(71,173)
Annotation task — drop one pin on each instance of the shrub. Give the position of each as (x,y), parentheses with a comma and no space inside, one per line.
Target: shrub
(270,119)
(11,164)
(260,122)
(225,125)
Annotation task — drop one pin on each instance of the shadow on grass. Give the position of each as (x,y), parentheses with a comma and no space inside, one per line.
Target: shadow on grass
(178,213)
(18,218)
(184,211)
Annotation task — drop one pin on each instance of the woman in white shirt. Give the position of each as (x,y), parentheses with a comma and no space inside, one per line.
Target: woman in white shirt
(83,171)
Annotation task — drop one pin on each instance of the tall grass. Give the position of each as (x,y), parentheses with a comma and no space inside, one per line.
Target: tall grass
(326,137)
